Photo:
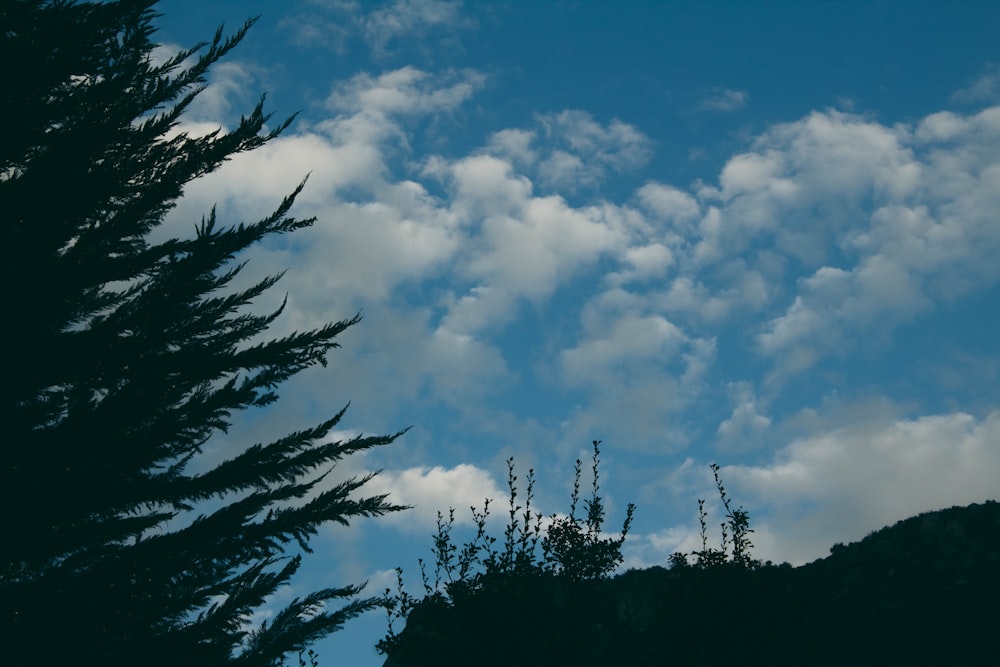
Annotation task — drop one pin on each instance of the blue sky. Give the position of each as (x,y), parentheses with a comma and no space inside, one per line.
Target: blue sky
(758,234)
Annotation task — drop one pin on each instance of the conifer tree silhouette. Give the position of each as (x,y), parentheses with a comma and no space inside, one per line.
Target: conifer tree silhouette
(124,356)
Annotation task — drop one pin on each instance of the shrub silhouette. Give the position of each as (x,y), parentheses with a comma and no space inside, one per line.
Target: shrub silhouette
(925,591)
(482,595)
(735,534)
(509,576)
(573,547)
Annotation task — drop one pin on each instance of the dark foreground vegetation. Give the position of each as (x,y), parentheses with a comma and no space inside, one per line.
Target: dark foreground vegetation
(925,591)
(126,355)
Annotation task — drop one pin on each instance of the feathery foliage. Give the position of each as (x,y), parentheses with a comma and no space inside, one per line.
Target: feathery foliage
(735,536)
(573,551)
(125,356)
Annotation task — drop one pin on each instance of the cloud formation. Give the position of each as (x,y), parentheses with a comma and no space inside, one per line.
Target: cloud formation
(583,150)
(983,89)
(382,27)
(430,490)
(824,237)
(409,18)
(723,100)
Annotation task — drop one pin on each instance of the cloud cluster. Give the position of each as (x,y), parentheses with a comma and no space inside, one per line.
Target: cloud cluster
(831,227)
(429,490)
(583,151)
(409,18)
(826,236)
(403,92)
(746,425)
(856,226)
(334,23)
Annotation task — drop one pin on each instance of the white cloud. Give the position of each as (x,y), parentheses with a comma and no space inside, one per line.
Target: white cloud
(567,171)
(397,365)
(941,126)
(477,310)
(723,100)
(232,88)
(548,242)
(409,18)
(333,24)
(631,340)
(462,366)
(666,202)
(645,262)
(834,305)
(161,53)
(324,23)
(583,150)
(642,551)
(840,484)
(432,490)
(986,88)
(231,84)
(405,91)
(746,426)
(514,145)
(877,223)
(639,370)
(756,173)
(747,290)
(527,246)
(487,186)
(759,193)
(618,144)
(804,184)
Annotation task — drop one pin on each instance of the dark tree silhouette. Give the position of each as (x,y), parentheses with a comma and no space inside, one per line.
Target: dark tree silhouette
(124,356)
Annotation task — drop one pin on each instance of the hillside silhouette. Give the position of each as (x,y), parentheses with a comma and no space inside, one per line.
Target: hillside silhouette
(925,591)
